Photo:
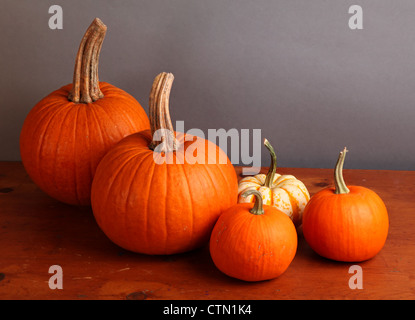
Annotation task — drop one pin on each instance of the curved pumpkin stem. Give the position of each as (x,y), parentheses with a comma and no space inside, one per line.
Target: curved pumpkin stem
(85,88)
(271,172)
(162,131)
(341,187)
(258,206)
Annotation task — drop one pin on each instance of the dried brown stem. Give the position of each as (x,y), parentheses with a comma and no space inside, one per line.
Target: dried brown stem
(85,87)
(162,131)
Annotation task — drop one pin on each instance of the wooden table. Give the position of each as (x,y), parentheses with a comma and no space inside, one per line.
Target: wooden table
(37,232)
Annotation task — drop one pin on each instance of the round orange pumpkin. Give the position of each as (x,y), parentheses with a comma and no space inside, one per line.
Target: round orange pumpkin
(149,197)
(253,242)
(347,224)
(66,134)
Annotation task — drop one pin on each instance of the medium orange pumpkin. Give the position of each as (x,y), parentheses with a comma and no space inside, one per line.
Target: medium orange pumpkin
(253,242)
(148,197)
(345,223)
(68,132)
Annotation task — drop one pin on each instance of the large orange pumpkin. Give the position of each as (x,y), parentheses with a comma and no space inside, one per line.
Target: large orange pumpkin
(345,223)
(68,132)
(253,242)
(149,196)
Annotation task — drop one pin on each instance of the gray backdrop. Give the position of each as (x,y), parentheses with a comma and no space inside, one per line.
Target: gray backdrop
(291,68)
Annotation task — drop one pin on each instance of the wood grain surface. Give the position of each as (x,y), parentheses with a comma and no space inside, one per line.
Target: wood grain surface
(37,232)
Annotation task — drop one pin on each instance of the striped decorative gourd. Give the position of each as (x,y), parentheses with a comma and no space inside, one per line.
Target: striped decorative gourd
(284,192)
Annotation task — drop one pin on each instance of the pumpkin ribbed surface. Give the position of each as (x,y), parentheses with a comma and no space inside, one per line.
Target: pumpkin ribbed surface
(253,242)
(349,227)
(160,208)
(61,142)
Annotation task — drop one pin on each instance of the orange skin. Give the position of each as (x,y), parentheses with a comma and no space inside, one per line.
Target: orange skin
(253,247)
(160,208)
(61,142)
(348,227)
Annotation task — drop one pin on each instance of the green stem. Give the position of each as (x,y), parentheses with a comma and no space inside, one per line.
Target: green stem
(341,187)
(271,172)
(258,207)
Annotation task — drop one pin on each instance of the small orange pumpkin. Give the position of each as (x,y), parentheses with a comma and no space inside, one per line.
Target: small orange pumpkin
(345,223)
(253,242)
(151,205)
(66,134)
